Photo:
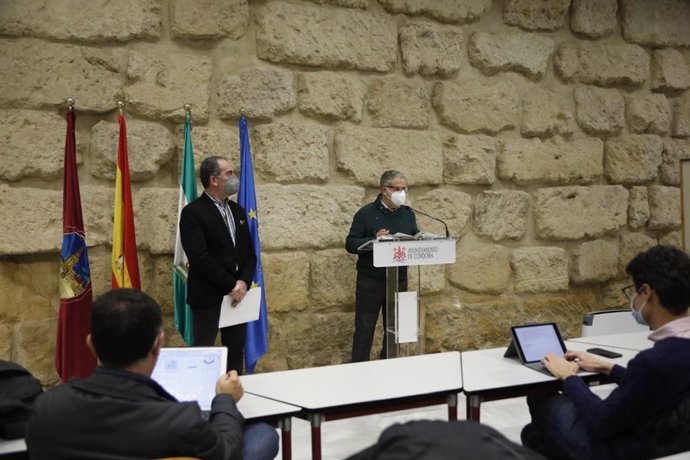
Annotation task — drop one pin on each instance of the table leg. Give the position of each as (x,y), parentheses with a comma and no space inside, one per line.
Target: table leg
(286,437)
(452,407)
(473,405)
(315,420)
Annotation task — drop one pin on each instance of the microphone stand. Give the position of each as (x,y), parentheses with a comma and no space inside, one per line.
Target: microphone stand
(432,217)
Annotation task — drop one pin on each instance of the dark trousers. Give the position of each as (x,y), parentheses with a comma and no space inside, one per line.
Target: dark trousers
(206,329)
(370,300)
(556,430)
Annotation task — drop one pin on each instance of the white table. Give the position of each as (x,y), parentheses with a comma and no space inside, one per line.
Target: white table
(637,341)
(350,390)
(13,448)
(258,409)
(488,376)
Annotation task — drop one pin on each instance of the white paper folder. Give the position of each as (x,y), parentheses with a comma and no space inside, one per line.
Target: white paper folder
(245,311)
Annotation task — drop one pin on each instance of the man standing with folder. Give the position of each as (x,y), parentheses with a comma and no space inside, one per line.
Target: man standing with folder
(222,260)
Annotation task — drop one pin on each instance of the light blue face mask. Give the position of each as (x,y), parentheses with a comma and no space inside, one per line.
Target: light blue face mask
(637,314)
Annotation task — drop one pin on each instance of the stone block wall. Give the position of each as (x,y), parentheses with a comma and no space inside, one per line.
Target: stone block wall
(547,134)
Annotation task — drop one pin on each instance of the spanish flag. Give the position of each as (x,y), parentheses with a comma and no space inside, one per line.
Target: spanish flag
(125,266)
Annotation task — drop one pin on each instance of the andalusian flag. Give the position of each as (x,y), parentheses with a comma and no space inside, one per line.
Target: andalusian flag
(72,356)
(256,344)
(125,266)
(183,314)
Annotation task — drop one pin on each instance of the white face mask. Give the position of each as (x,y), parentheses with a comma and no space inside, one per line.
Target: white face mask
(232,185)
(398,198)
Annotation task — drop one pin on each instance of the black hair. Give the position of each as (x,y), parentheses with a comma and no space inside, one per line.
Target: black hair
(209,168)
(666,269)
(124,326)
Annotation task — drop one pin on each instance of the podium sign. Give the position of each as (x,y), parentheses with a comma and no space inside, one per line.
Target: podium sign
(414,252)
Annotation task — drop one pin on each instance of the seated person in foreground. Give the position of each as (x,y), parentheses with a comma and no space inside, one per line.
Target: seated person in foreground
(647,414)
(119,412)
(439,440)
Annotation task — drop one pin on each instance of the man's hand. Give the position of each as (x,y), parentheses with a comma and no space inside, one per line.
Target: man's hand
(382,232)
(238,292)
(559,366)
(589,363)
(230,384)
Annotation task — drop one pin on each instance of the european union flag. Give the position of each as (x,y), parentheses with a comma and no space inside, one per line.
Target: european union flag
(256,344)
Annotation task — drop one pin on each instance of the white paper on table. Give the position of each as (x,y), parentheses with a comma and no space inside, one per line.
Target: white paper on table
(245,311)
(407,316)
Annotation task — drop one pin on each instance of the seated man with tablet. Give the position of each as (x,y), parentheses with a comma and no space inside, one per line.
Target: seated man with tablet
(119,412)
(532,342)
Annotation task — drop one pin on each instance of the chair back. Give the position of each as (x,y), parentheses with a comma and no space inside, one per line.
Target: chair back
(610,322)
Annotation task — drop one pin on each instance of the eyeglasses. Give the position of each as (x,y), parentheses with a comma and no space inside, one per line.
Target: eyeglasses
(397,189)
(629,291)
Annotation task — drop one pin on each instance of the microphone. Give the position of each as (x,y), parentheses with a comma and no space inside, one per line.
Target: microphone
(431,217)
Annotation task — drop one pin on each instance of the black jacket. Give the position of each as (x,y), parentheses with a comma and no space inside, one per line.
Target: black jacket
(215,263)
(115,415)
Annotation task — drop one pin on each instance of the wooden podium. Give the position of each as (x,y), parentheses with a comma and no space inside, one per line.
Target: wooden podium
(402,308)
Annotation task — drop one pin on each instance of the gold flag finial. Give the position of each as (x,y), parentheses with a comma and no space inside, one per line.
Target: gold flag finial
(70,103)
(188,107)
(243,112)
(120,107)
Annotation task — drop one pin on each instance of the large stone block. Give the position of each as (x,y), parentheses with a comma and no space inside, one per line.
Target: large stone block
(674,151)
(291,152)
(324,215)
(469,160)
(331,96)
(638,207)
(82,20)
(630,245)
(572,213)
(29,290)
(603,65)
(553,161)
(150,146)
(452,206)
(221,140)
(6,345)
(362,4)
(681,117)
(336,38)
(673,239)
(474,106)
(515,51)
(598,110)
(366,153)
(35,348)
(544,114)
(670,71)
(262,91)
(531,15)
(319,339)
(431,49)
(333,278)
(38,213)
(648,114)
(286,277)
(399,103)
(656,24)
(501,214)
(33,144)
(37,74)
(539,269)
(156,278)
(160,83)
(594,262)
(593,18)
(433,279)
(209,19)
(664,206)
(155,211)
(450,11)
(482,269)
(632,159)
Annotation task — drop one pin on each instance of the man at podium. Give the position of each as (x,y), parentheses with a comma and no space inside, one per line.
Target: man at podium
(386,215)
